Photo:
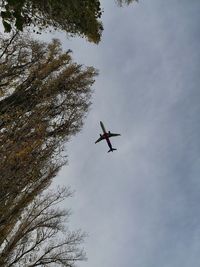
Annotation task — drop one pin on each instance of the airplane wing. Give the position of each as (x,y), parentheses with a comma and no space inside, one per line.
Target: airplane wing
(100,139)
(113,134)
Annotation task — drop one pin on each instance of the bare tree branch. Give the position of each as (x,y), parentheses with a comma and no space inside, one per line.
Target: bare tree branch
(33,240)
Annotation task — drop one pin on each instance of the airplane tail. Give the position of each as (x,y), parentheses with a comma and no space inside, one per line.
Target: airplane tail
(112,150)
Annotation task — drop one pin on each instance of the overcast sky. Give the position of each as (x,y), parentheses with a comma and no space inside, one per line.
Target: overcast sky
(140,204)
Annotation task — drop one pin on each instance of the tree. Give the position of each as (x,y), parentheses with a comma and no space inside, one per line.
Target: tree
(75,17)
(72,16)
(45,97)
(39,237)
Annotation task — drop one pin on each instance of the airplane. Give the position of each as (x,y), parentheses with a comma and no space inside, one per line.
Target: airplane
(106,136)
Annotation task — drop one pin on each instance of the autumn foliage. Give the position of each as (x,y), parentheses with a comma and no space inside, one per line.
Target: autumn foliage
(44,99)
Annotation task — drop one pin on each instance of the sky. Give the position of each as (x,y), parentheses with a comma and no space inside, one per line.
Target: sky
(140,204)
